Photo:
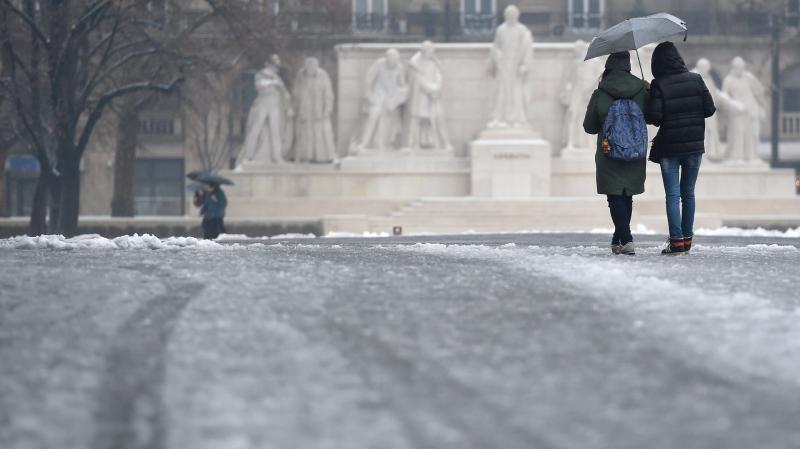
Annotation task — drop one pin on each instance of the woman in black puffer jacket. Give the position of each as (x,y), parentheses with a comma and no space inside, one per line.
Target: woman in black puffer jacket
(680,103)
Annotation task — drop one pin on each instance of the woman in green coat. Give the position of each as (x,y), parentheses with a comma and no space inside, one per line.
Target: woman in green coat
(618,180)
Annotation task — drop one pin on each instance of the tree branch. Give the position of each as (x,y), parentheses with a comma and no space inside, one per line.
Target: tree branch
(106,99)
(29,21)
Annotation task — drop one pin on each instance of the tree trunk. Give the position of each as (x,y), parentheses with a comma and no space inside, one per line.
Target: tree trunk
(38,223)
(69,203)
(122,202)
(4,212)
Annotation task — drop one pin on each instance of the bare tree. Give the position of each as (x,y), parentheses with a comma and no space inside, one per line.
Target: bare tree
(66,57)
(187,51)
(7,139)
(208,121)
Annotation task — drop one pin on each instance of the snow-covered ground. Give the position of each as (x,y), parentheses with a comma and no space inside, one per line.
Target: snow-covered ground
(500,341)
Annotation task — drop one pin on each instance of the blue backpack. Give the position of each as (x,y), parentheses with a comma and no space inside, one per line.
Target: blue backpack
(625,132)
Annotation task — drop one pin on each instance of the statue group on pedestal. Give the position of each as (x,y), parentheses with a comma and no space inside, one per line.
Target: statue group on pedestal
(403,103)
(575,97)
(282,127)
(742,100)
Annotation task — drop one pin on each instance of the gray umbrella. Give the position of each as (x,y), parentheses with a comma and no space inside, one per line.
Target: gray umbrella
(196,174)
(634,34)
(208,178)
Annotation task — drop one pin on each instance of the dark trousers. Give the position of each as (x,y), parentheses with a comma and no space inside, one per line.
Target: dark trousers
(621,207)
(212,227)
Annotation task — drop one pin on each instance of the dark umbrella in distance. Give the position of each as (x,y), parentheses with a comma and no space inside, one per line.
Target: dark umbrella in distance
(635,33)
(193,175)
(216,180)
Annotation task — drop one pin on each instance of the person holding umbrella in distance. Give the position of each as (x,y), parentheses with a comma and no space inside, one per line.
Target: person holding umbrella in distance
(212,201)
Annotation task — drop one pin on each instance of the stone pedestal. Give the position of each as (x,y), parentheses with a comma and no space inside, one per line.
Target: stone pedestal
(572,153)
(510,164)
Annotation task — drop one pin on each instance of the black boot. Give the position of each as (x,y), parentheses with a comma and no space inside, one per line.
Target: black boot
(674,247)
(687,244)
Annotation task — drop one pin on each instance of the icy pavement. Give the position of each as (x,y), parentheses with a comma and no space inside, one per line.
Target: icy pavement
(511,341)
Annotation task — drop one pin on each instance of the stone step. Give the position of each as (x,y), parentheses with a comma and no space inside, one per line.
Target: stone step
(421,226)
(241,207)
(724,206)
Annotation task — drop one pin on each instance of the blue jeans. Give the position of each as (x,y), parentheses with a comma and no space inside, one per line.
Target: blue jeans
(680,175)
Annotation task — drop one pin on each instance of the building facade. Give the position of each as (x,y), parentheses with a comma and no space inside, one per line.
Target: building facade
(719,31)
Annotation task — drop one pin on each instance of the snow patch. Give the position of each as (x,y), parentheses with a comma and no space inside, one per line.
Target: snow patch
(291,236)
(228,237)
(346,235)
(96,242)
(758,232)
(731,321)
(744,250)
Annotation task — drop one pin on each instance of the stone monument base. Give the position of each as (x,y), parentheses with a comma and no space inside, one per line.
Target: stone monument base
(572,153)
(510,163)
(406,160)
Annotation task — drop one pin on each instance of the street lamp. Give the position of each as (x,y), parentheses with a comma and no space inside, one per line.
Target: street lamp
(776,24)
(447,11)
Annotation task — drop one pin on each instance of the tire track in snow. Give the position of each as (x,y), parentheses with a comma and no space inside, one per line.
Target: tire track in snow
(423,393)
(437,410)
(130,412)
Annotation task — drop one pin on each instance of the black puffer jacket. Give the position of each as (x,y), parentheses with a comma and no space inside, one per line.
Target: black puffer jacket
(680,103)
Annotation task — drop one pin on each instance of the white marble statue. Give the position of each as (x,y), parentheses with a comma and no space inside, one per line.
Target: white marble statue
(744,126)
(582,79)
(646,58)
(314,101)
(426,124)
(386,92)
(266,138)
(714,149)
(511,63)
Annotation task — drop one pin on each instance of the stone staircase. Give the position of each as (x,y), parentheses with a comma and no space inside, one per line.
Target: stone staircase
(564,214)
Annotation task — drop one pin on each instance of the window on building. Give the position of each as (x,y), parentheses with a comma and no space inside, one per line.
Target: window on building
(790,118)
(21,174)
(586,14)
(274,7)
(162,120)
(159,187)
(791,100)
(793,13)
(370,15)
(157,125)
(478,16)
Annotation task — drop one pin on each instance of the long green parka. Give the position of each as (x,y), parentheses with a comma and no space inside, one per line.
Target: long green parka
(616,177)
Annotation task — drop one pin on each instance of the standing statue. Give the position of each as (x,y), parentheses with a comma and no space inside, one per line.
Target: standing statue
(387,90)
(281,70)
(266,136)
(313,109)
(426,125)
(645,56)
(511,61)
(714,149)
(583,79)
(744,127)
